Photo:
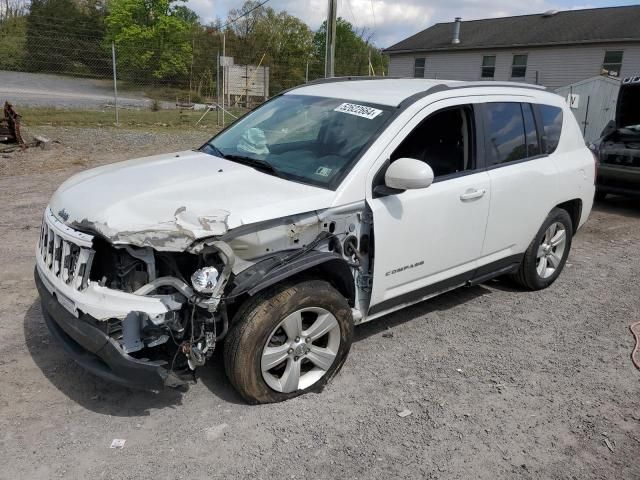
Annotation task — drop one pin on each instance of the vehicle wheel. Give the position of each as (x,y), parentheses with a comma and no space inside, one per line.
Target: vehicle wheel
(544,259)
(288,340)
(600,195)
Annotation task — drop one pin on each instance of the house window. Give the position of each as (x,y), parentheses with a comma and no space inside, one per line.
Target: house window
(612,62)
(519,66)
(418,68)
(488,66)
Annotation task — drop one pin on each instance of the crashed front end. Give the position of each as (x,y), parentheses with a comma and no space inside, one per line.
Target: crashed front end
(145,309)
(130,313)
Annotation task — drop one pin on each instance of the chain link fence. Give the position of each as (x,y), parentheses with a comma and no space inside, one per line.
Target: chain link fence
(191,83)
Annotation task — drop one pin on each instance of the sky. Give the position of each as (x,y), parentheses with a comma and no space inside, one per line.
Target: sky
(389,21)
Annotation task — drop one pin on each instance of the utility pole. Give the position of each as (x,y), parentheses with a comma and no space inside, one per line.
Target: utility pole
(331,39)
(224,79)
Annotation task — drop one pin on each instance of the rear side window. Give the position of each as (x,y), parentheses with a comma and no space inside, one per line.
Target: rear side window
(505,132)
(551,118)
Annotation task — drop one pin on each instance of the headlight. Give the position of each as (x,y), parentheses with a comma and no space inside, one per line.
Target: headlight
(205,279)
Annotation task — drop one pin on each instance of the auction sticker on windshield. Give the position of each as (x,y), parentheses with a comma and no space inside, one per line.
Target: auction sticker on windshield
(358,110)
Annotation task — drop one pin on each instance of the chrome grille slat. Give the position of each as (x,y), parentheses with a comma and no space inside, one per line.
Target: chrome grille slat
(57,255)
(62,257)
(65,261)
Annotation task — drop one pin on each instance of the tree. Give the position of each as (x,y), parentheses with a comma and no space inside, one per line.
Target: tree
(353,49)
(283,42)
(65,36)
(152,38)
(12,34)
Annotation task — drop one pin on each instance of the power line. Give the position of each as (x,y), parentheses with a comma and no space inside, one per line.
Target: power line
(243,15)
(353,17)
(373,12)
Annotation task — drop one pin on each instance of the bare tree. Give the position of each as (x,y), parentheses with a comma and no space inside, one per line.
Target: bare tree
(10,9)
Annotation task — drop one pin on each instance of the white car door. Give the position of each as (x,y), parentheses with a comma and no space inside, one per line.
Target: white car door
(524,180)
(427,240)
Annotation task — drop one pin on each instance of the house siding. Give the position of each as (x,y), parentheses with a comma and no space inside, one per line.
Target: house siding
(555,66)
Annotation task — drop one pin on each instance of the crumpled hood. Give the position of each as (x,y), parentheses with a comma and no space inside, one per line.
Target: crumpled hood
(167,201)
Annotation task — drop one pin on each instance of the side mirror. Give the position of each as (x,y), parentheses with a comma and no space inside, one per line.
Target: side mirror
(408,174)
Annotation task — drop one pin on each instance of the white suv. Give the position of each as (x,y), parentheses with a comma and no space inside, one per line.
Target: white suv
(330,205)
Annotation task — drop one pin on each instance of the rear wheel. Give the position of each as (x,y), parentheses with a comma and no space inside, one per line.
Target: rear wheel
(287,341)
(545,258)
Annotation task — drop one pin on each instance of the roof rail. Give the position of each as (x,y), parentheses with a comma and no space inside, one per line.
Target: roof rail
(443,87)
(349,78)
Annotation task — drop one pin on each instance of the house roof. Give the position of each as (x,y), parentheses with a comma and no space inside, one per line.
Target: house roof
(569,27)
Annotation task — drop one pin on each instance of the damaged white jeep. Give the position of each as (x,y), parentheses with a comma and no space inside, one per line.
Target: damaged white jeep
(330,205)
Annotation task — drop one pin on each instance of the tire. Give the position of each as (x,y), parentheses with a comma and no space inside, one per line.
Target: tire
(534,274)
(600,196)
(263,331)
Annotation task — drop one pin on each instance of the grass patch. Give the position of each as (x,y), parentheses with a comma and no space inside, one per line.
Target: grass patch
(129,118)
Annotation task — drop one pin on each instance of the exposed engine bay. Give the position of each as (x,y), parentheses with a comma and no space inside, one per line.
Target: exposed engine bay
(202,287)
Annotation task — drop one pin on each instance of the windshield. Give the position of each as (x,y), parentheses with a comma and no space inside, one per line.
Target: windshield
(309,139)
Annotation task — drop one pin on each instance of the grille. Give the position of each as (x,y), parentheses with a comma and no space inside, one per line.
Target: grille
(65,253)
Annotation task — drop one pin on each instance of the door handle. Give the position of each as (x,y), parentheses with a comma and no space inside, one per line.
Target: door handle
(473,193)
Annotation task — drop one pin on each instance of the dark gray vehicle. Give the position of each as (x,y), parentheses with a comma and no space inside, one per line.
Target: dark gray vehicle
(619,147)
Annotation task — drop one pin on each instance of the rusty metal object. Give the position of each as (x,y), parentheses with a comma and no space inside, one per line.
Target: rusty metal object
(10,126)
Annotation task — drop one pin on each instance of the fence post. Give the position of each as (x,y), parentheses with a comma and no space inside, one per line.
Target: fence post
(115,82)
(218,89)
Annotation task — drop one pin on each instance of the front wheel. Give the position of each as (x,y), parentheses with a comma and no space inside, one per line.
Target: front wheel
(288,340)
(545,258)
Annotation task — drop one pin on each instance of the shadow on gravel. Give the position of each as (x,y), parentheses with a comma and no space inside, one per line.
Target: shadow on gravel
(440,303)
(213,377)
(98,395)
(625,206)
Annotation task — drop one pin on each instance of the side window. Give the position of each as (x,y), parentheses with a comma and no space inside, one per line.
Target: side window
(531,134)
(505,132)
(418,68)
(443,140)
(551,118)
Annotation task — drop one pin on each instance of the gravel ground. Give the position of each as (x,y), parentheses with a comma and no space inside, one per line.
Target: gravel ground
(500,383)
(46,90)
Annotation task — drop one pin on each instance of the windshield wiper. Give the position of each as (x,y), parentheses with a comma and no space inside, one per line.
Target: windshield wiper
(256,163)
(217,152)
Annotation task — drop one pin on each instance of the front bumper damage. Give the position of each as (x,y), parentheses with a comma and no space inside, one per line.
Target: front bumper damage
(127,313)
(152,335)
(96,352)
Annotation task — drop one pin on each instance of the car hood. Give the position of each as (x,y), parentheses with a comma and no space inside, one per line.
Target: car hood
(628,105)
(168,201)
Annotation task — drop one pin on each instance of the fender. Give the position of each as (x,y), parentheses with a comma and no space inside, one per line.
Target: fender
(275,269)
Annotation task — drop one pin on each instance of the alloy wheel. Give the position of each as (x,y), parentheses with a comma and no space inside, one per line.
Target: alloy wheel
(300,350)
(551,250)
